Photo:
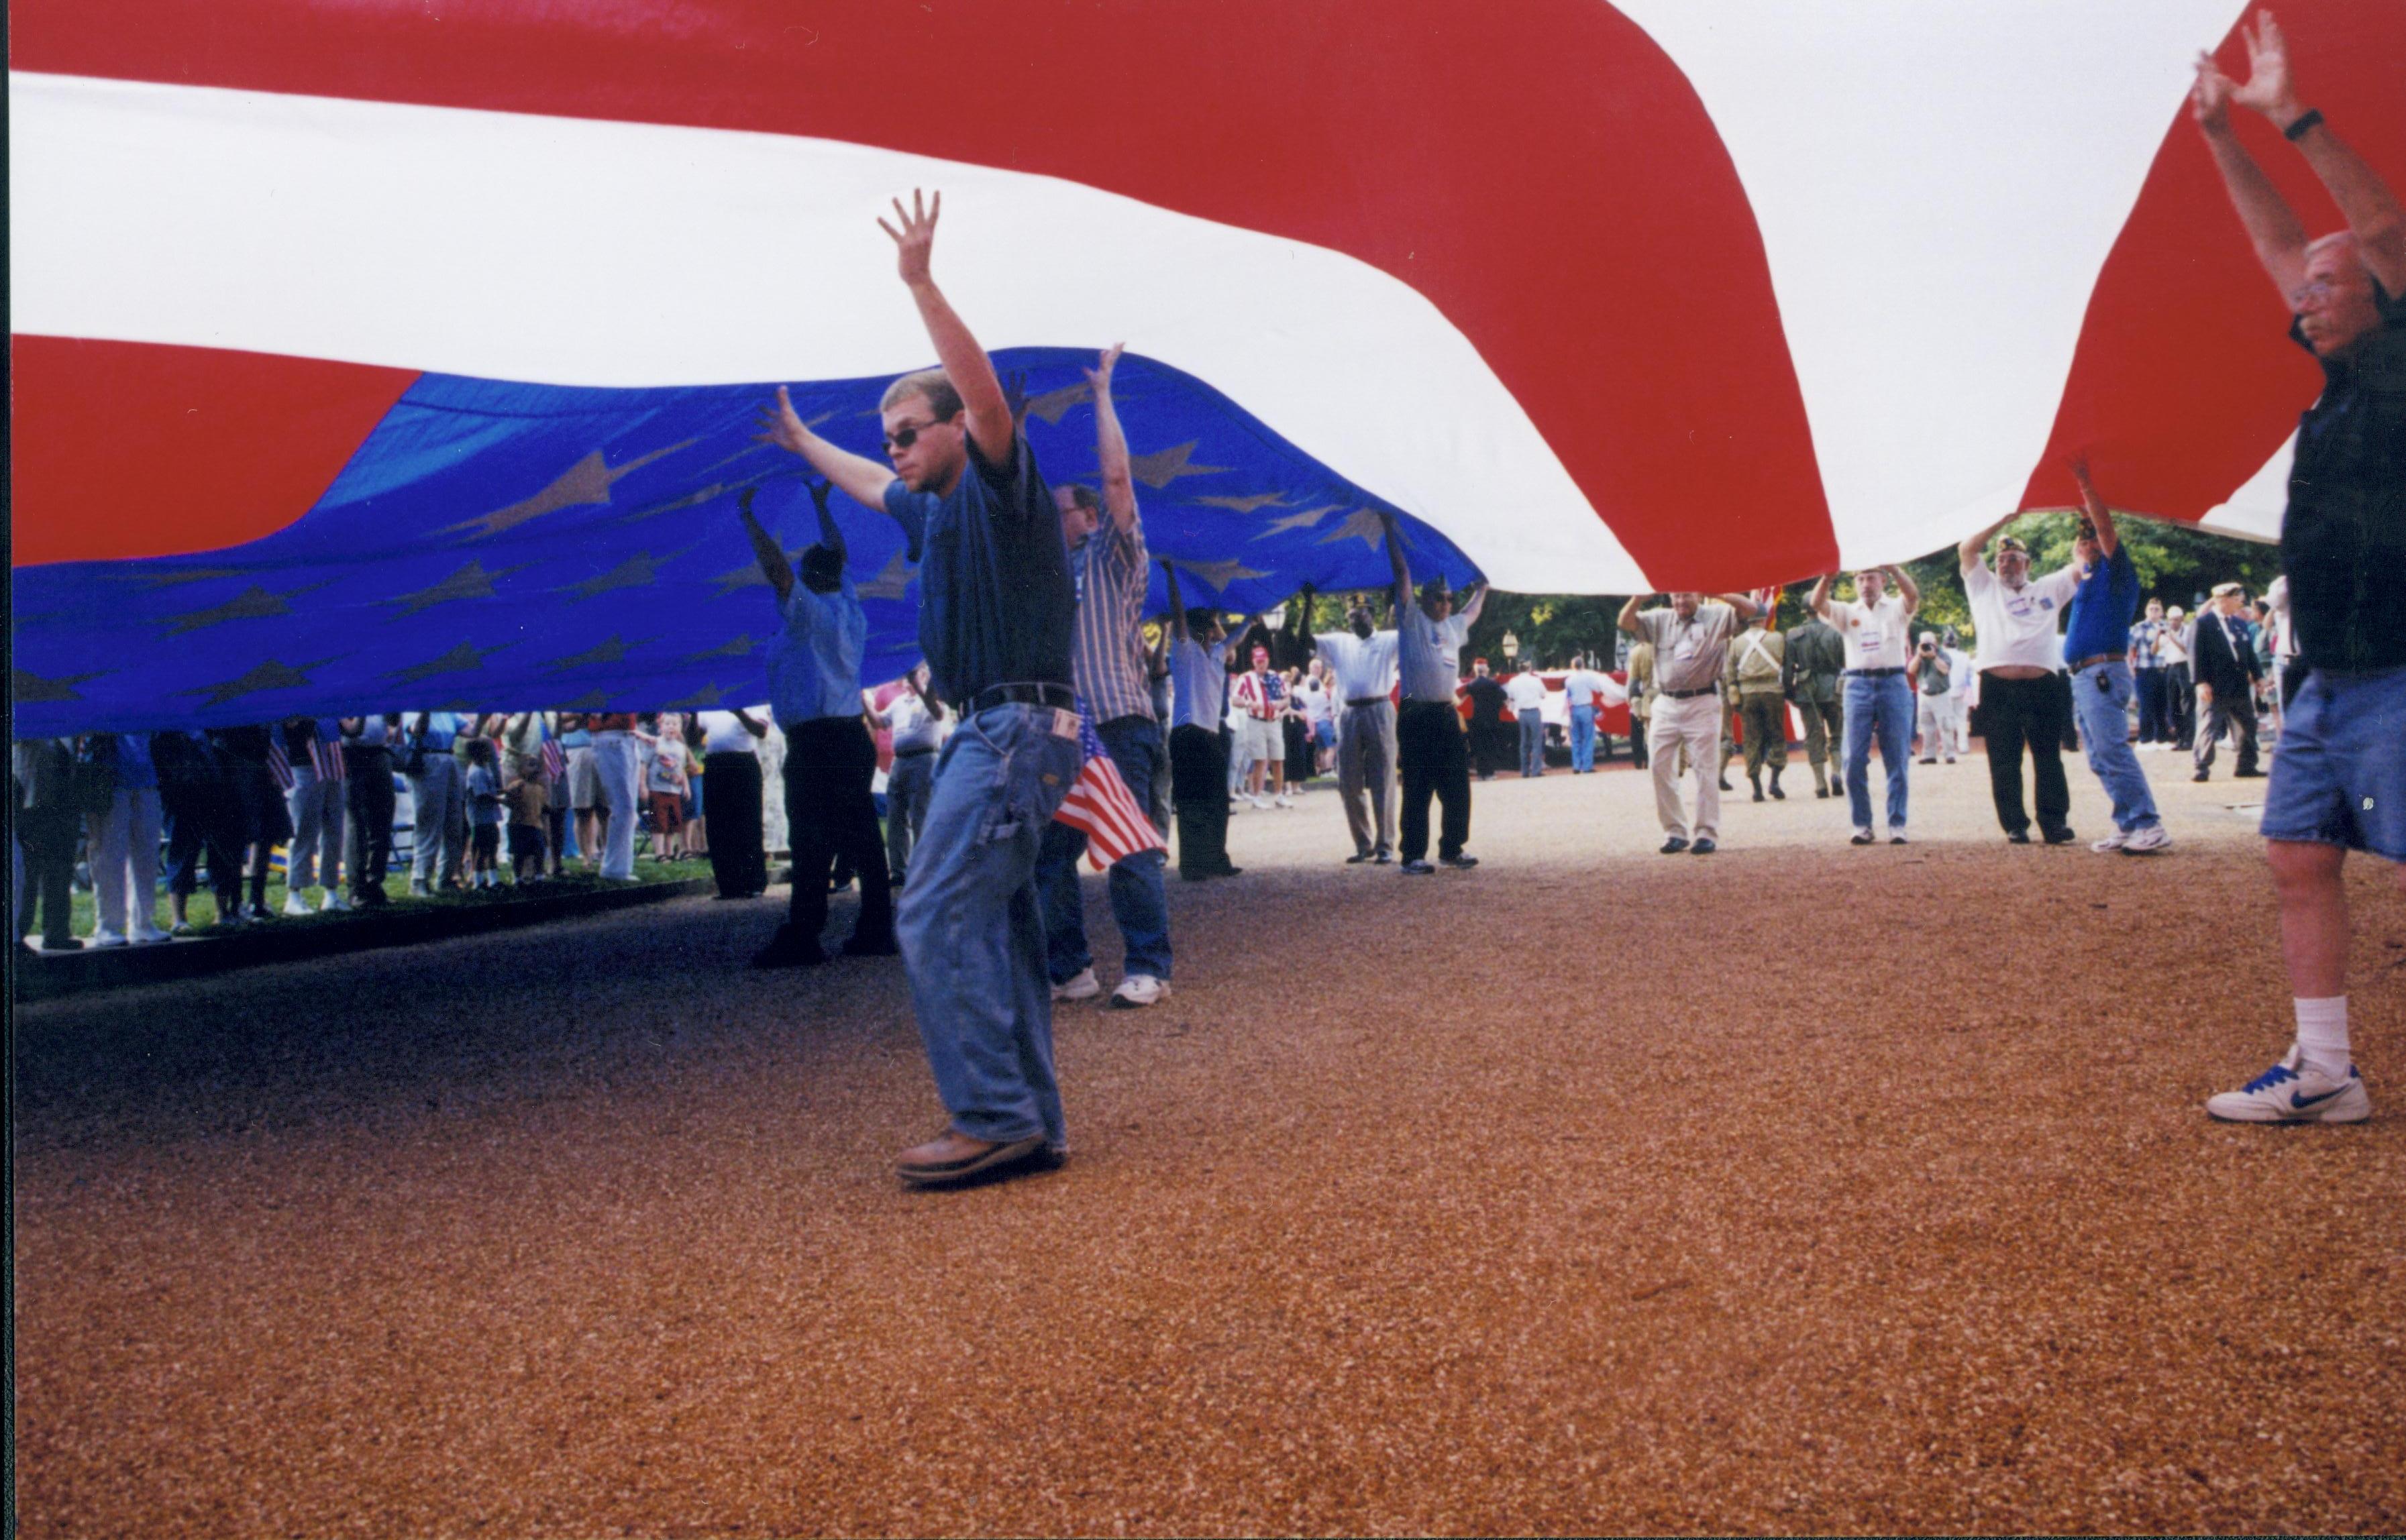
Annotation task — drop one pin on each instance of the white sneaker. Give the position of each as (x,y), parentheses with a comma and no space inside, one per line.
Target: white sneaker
(1283,801)
(2112,841)
(105,939)
(1137,990)
(2291,1092)
(151,936)
(295,905)
(2142,841)
(1259,804)
(334,903)
(1085,986)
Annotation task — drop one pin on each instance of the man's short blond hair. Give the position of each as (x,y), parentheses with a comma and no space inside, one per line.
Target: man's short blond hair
(933,385)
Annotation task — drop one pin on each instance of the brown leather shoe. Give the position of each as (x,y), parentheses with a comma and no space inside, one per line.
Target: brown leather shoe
(953,1156)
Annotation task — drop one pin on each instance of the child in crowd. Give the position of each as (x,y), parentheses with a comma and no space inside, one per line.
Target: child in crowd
(483,814)
(664,783)
(529,802)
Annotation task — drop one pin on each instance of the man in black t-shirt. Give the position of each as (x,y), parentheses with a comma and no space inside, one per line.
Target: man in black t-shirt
(2338,775)
(995,610)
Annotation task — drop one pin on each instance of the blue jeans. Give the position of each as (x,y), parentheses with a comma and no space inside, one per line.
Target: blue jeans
(972,941)
(1881,706)
(2101,699)
(1138,901)
(1582,739)
(1533,744)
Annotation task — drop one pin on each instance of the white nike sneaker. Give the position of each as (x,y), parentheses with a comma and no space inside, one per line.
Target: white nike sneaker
(1085,986)
(2294,1091)
(2112,841)
(2146,841)
(1137,990)
(295,905)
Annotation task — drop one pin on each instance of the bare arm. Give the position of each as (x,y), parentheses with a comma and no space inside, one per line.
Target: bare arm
(1746,605)
(2108,539)
(1176,608)
(1818,599)
(964,362)
(2366,201)
(765,550)
(1969,552)
(1628,621)
(862,479)
(1477,602)
(1910,590)
(1111,445)
(1397,564)
(756,728)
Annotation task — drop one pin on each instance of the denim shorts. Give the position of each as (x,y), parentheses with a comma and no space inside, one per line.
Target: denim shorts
(2339,771)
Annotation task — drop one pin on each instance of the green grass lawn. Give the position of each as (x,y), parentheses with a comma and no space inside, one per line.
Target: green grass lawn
(203,909)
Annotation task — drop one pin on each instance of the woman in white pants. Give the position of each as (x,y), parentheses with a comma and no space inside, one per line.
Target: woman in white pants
(618,763)
(125,849)
(315,804)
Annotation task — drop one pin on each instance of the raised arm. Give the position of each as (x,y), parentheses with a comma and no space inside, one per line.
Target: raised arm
(1746,605)
(830,533)
(1628,621)
(964,362)
(1111,445)
(1905,585)
(1177,606)
(1818,599)
(2364,199)
(1397,565)
(864,480)
(766,550)
(1968,554)
(2108,539)
(1469,612)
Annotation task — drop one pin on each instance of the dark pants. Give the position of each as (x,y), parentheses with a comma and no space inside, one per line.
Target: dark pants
(2154,713)
(265,822)
(554,825)
(367,809)
(737,860)
(1637,742)
(2233,710)
(1436,760)
(49,837)
(1198,786)
(198,816)
(1492,745)
(526,851)
(2180,704)
(829,763)
(2032,714)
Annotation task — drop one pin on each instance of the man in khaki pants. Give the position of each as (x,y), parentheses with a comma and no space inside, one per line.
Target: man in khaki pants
(1755,664)
(1691,638)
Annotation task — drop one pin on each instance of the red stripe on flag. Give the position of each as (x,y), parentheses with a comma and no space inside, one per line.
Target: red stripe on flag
(280,764)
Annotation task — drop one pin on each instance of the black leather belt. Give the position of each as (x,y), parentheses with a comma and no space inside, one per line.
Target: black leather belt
(1872,673)
(1060,696)
(1691,695)
(1365,700)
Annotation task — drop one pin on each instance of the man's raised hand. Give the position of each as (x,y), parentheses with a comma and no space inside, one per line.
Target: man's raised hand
(1100,376)
(782,426)
(2209,99)
(2267,89)
(915,242)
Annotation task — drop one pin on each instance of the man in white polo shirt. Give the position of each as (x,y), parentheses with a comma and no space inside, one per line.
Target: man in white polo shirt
(2023,697)
(1362,671)
(1690,640)
(1526,690)
(1878,700)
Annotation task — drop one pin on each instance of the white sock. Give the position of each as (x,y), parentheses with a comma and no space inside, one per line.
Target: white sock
(2322,1034)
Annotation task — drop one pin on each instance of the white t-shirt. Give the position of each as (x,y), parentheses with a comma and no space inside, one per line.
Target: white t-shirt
(2019,626)
(1363,670)
(1526,691)
(1874,633)
(721,733)
(1313,697)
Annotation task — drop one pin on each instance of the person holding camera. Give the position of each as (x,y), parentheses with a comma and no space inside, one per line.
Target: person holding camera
(1938,703)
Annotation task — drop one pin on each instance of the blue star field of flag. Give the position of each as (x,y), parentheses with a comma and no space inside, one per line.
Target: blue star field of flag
(499,546)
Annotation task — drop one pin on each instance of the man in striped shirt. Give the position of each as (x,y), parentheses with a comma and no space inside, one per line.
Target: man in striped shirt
(1108,663)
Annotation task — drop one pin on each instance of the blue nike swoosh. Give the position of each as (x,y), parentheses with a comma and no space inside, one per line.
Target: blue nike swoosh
(2300,1099)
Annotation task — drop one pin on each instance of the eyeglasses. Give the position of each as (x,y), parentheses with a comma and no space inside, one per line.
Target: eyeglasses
(907,437)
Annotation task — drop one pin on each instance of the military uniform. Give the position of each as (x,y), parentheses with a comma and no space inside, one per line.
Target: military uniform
(1813,655)
(1757,681)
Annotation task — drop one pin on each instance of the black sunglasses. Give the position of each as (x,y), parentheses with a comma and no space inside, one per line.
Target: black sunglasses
(908,436)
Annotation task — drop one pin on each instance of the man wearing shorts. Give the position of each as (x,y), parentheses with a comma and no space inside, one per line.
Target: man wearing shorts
(2339,778)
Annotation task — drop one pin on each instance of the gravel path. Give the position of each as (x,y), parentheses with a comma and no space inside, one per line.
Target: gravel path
(1804,1187)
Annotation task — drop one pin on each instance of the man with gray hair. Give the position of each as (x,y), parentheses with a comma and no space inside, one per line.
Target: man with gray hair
(1691,638)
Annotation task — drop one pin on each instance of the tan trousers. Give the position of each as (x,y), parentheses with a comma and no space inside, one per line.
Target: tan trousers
(1693,725)
(1365,773)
